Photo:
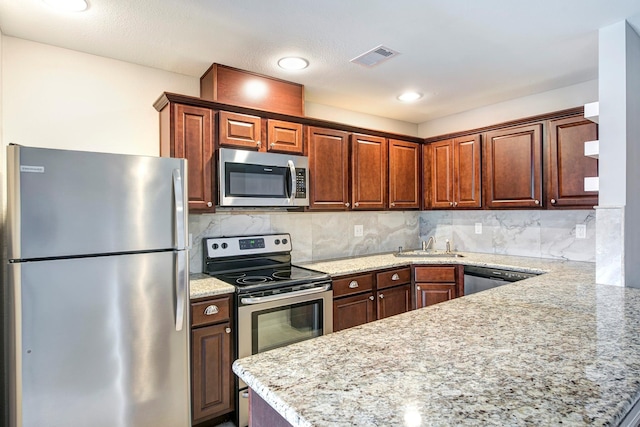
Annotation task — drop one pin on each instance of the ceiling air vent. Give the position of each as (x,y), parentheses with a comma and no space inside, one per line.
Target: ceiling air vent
(375,56)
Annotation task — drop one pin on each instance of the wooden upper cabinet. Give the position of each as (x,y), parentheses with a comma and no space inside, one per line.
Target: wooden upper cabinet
(284,137)
(438,174)
(369,171)
(466,177)
(328,152)
(240,130)
(512,170)
(404,175)
(567,165)
(187,132)
(452,173)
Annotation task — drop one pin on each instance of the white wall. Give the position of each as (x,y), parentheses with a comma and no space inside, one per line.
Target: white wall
(541,103)
(59,98)
(339,115)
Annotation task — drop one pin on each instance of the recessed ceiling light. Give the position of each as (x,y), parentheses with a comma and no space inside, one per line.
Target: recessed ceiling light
(409,96)
(293,63)
(68,5)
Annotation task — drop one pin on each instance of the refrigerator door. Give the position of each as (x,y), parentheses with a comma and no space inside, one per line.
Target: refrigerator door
(98,344)
(66,203)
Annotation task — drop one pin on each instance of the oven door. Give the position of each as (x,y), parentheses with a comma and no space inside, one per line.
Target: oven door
(272,322)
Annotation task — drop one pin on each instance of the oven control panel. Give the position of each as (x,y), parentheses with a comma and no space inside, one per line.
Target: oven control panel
(217,247)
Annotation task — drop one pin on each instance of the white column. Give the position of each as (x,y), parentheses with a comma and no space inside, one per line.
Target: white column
(617,230)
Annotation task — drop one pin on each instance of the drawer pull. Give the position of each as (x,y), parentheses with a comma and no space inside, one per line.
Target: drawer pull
(212,309)
(381,296)
(353,284)
(371,298)
(395,276)
(227,330)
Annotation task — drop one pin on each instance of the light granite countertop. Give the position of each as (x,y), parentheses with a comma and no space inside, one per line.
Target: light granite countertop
(550,350)
(203,285)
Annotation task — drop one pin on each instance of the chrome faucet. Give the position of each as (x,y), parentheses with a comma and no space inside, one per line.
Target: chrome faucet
(428,244)
(447,245)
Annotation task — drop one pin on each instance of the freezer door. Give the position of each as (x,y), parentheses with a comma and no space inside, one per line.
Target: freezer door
(65,203)
(97,343)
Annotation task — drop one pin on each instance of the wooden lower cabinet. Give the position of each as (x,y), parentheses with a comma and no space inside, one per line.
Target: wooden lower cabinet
(353,311)
(436,284)
(392,301)
(211,358)
(366,297)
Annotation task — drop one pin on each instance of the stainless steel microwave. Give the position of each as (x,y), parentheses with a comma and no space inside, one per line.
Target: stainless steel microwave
(249,178)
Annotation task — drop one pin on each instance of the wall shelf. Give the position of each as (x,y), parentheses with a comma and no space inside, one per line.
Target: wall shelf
(592,149)
(591,184)
(592,111)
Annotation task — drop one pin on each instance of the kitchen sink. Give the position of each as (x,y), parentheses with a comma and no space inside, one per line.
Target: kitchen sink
(428,254)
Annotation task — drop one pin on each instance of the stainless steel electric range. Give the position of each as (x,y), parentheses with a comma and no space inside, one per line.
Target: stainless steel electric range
(277,303)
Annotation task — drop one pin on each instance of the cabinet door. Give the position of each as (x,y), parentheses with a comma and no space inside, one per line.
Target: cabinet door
(211,386)
(191,137)
(440,160)
(353,311)
(394,301)
(434,293)
(404,173)
(284,137)
(567,164)
(513,167)
(328,152)
(240,130)
(466,176)
(369,172)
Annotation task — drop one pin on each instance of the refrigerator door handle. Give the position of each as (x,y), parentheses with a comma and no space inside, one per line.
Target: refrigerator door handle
(181,287)
(178,195)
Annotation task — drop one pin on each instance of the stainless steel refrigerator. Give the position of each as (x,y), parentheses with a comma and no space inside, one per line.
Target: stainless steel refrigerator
(97,330)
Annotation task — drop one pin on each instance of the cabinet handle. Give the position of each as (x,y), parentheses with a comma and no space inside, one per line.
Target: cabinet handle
(209,204)
(381,296)
(418,287)
(393,204)
(258,144)
(273,144)
(356,204)
(245,395)
(455,204)
(212,309)
(450,203)
(227,330)
(553,201)
(537,202)
(371,297)
(347,204)
(353,284)
(395,276)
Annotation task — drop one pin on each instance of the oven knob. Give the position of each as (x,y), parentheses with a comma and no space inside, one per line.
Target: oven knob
(215,246)
(284,241)
(225,246)
(277,242)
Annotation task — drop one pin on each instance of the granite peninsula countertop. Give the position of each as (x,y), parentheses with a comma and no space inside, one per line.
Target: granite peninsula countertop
(203,285)
(550,350)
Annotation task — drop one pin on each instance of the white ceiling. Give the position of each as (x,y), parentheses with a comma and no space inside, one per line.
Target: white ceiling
(461,54)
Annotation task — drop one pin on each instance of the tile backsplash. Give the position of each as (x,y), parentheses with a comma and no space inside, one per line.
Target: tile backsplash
(323,235)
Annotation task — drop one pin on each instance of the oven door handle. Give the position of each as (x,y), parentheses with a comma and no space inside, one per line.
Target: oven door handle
(260,300)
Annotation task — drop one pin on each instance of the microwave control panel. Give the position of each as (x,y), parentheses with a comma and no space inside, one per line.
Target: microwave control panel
(301,183)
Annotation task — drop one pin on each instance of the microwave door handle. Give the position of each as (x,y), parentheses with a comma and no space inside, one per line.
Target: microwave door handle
(292,181)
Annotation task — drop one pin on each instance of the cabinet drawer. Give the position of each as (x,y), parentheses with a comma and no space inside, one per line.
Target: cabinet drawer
(393,278)
(352,285)
(435,274)
(212,311)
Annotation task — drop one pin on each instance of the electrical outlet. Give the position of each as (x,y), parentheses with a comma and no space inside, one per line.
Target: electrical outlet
(358,230)
(478,228)
(581,231)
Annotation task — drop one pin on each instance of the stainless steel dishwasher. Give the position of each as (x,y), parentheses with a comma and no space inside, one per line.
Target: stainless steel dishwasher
(478,279)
